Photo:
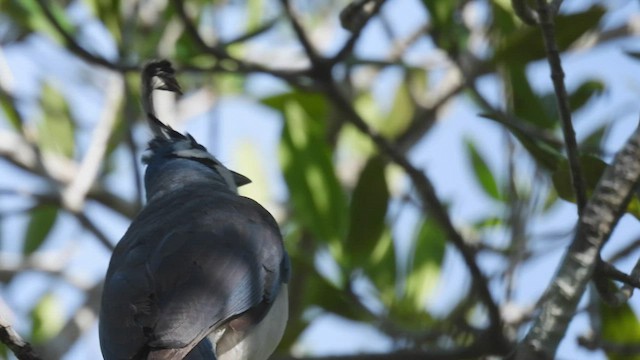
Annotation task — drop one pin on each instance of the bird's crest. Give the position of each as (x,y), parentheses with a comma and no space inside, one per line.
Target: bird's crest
(160,75)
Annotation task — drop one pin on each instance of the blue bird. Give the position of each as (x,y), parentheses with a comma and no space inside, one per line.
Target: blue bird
(202,272)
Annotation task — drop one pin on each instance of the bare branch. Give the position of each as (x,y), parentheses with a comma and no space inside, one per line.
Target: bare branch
(58,169)
(192,30)
(14,341)
(524,12)
(73,196)
(545,17)
(309,49)
(76,48)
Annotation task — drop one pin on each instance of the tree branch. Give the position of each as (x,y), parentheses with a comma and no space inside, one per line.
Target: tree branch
(354,18)
(304,40)
(57,169)
(75,48)
(73,196)
(599,218)
(429,199)
(545,19)
(14,341)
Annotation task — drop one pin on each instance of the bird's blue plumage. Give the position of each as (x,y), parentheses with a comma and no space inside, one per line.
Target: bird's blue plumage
(198,260)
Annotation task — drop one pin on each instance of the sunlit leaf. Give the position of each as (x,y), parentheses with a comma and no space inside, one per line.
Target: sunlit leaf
(47,317)
(620,326)
(57,129)
(381,268)
(367,212)
(255,10)
(424,271)
(41,221)
(317,196)
(482,172)
(400,115)
(10,110)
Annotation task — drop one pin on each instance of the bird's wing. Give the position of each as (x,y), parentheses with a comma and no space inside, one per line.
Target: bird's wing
(177,278)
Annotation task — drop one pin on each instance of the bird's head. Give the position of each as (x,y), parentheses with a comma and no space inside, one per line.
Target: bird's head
(174,159)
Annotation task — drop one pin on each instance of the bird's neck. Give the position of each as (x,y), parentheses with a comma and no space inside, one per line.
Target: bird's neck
(173,175)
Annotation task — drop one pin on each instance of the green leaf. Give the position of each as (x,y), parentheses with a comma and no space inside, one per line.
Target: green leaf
(40,224)
(585,92)
(367,212)
(527,105)
(381,267)
(424,270)
(543,153)
(620,326)
(255,10)
(592,143)
(57,129)
(525,44)
(319,291)
(483,173)
(592,170)
(47,319)
(306,159)
(447,30)
(8,106)
(401,113)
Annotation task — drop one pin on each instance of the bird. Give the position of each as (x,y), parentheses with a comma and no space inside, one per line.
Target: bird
(201,273)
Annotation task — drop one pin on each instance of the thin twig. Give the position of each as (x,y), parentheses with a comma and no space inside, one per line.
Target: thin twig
(356,31)
(557,76)
(193,32)
(57,169)
(524,12)
(625,251)
(268,25)
(304,40)
(89,225)
(75,48)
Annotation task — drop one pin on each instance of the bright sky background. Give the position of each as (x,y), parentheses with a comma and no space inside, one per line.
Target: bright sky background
(242,122)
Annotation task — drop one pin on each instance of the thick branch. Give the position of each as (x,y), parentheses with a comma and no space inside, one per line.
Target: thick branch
(14,341)
(599,218)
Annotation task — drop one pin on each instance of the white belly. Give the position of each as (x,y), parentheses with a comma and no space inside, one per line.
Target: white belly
(260,342)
